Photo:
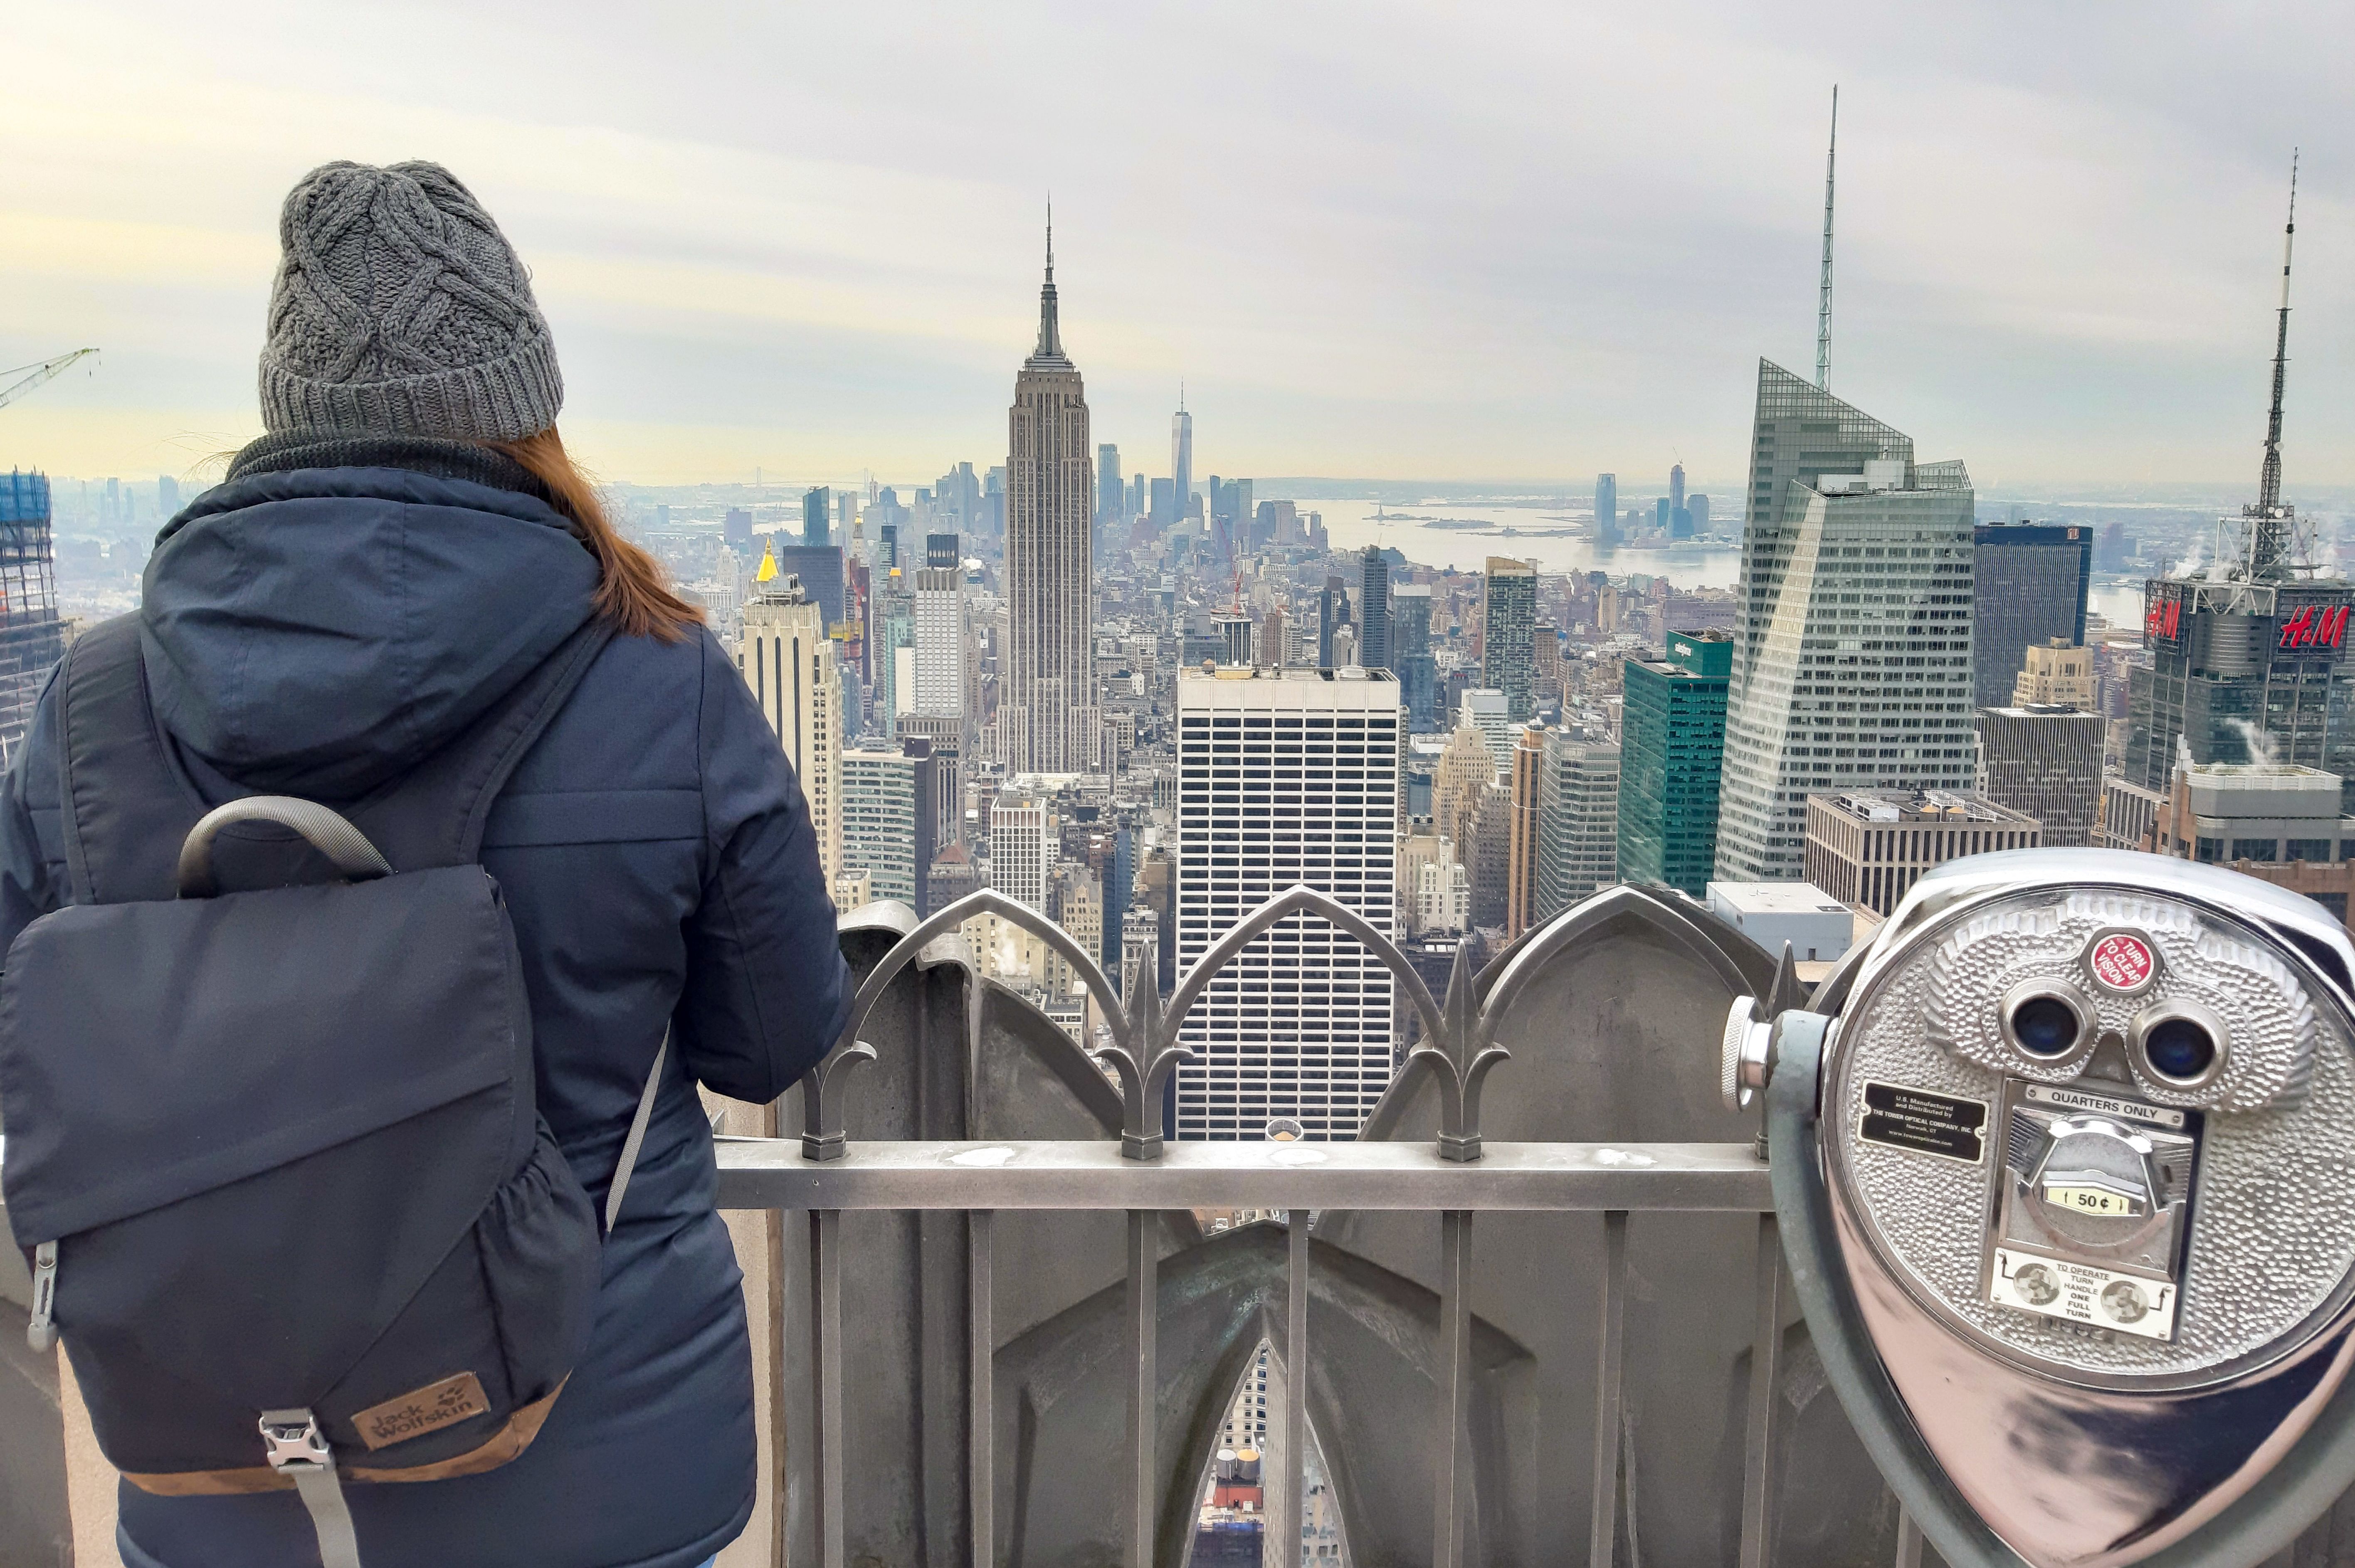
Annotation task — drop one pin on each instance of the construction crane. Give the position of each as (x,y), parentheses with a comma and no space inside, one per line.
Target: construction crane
(27,376)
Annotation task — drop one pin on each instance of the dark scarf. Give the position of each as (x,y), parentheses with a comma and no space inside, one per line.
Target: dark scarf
(285,450)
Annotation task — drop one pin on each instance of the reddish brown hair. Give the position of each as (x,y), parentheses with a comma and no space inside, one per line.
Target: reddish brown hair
(631,589)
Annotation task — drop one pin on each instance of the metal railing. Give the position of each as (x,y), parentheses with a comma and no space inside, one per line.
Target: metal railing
(1454,1177)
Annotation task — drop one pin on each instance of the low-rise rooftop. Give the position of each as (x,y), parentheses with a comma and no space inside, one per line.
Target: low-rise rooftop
(1921,806)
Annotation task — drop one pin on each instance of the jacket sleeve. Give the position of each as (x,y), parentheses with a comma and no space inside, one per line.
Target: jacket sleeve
(766,989)
(32,842)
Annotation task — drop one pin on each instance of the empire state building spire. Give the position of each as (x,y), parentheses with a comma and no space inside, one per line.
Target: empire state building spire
(1049,352)
(1050,717)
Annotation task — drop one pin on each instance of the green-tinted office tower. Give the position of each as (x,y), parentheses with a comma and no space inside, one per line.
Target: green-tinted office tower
(1672,750)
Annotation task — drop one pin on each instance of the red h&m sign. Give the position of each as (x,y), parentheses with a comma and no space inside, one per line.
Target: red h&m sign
(2164,618)
(2315,626)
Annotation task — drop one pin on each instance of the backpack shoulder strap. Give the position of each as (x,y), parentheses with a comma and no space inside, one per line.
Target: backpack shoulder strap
(434,814)
(126,807)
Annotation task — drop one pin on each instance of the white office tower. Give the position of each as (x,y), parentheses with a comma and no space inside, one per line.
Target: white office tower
(1049,719)
(1023,845)
(880,835)
(1484,708)
(1852,660)
(1286,777)
(789,662)
(940,652)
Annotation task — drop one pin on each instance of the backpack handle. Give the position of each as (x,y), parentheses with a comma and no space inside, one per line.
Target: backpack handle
(331,834)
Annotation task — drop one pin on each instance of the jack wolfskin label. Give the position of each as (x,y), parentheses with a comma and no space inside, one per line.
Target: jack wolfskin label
(427,1409)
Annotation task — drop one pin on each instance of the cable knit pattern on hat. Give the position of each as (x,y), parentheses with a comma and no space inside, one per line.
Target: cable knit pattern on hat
(399,309)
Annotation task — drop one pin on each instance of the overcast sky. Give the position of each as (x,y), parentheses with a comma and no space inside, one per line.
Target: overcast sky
(1507,240)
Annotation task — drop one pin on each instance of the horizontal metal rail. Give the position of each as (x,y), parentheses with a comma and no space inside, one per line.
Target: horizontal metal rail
(771,1173)
(1454,1176)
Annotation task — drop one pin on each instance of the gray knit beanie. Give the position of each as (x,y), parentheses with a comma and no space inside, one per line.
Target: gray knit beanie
(399,309)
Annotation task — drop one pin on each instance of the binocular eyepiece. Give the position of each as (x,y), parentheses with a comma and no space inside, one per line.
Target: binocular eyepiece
(2174,1045)
(2075,1140)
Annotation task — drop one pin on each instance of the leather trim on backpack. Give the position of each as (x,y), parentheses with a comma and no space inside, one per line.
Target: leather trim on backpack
(502,1446)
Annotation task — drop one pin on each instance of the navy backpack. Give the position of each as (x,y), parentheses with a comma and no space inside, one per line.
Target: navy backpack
(272,1138)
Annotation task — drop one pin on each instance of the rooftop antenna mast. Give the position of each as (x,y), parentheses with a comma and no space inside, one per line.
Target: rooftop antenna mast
(1824,289)
(2269,520)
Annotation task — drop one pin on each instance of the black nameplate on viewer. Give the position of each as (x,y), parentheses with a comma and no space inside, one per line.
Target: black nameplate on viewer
(1925,1123)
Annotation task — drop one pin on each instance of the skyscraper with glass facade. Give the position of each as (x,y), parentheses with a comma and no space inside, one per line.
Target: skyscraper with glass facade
(32,640)
(1411,656)
(819,569)
(2045,759)
(1109,489)
(1181,460)
(1672,747)
(1852,658)
(1374,609)
(1508,655)
(2029,586)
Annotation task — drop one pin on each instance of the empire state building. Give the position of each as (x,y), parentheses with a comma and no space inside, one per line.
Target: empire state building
(1049,719)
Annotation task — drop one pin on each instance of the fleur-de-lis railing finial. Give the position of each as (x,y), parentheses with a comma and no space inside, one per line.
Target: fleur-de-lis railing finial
(1140,1080)
(1459,1060)
(822,1134)
(1143,1051)
(822,1137)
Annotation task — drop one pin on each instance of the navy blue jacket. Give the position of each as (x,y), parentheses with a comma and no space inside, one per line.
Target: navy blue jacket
(311,632)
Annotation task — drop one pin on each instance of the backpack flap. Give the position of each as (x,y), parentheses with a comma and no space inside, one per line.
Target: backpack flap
(311,1093)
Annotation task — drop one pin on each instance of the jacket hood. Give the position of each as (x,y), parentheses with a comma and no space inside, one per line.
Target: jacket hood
(317,632)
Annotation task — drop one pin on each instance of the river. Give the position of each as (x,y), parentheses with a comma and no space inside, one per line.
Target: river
(1468,536)
(1443,534)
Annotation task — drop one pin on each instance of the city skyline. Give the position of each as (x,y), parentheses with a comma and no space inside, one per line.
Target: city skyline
(732,297)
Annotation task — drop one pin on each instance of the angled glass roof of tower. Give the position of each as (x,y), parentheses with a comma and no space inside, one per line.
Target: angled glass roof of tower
(1804,432)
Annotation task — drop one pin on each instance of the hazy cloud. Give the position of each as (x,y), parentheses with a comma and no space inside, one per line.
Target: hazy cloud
(1531,241)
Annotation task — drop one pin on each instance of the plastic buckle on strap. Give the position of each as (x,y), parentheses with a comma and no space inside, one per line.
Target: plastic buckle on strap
(41,1328)
(291,1439)
(298,1450)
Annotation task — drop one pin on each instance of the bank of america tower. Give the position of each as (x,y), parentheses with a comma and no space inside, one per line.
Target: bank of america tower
(1852,658)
